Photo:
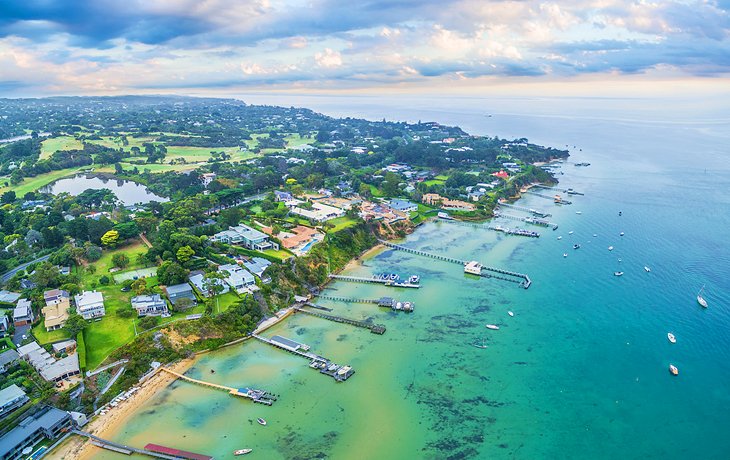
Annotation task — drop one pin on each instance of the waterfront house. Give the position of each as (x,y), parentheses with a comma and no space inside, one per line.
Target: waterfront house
(150,305)
(199,283)
(47,423)
(23,313)
(238,278)
(90,304)
(256,265)
(55,314)
(283,196)
(403,205)
(47,366)
(11,398)
(319,212)
(246,236)
(180,291)
(434,199)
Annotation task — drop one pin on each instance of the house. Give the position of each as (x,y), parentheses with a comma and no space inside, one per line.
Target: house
(11,398)
(180,291)
(55,294)
(47,366)
(90,304)
(246,236)
(403,205)
(475,195)
(55,314)
(23,313)
(199,283)
(256,265)
(207,178)
(238,278)
(319,212)
(297,237)
(7,358)
(27,284)
(4,324)
(67,346)
(152,305)
(434,199)
(46,423)
(501,174)
(283,196)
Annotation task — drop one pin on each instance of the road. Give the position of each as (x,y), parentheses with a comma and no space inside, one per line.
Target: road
(5,277)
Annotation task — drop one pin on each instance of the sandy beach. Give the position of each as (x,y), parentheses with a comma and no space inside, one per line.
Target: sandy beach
(365,255)
(80,448)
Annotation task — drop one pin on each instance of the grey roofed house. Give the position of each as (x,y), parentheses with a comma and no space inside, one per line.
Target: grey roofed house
(65,346)
(47,366)
(7,358)
(256,265)
(9,297)
(149,305)
(47,423)
(180,291)
(23,313)
(55,294)
(199,283)
(4,323)
(11,398)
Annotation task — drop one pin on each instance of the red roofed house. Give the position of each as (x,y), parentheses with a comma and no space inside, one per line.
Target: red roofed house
(501,174)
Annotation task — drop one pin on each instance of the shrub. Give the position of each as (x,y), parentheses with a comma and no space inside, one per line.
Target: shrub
(104,280)
(148,322)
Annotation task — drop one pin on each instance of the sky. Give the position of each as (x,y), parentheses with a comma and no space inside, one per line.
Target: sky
(217,47)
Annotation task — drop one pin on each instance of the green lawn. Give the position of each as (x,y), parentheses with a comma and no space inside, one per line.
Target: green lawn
(374,191)
(197,154)
(43,337)
(434,182)
(50,146)
(281,254)
(31,184)
(294,140)
(341,223)
(105,263)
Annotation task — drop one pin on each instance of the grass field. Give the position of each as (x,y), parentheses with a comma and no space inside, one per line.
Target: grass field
(50,146)
(341,223)
(281,254)
(43,337)
(31,184)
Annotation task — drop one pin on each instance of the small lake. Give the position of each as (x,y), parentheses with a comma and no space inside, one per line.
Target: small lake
(127,192)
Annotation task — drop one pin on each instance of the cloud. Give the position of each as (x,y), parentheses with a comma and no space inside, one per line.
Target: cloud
(328,59)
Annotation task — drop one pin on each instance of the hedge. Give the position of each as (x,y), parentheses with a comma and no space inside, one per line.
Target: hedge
(81,350)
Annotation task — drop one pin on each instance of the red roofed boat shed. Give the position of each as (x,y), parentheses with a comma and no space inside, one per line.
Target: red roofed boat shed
(176,452)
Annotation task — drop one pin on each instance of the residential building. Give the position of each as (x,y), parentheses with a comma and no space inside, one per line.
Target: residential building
(23,313)
(434,199)
(283,196)
(4,324)
(319,212)
(55,313)
(11,398)
(47,366)
(238,278)
(181,291)
(90,304)
(207,178)
(403,205)
(198,282)
(7,358)
(476,194)
(298,237)
(152,305)
(46,423)
(257,265)
(246,236)
(67,346)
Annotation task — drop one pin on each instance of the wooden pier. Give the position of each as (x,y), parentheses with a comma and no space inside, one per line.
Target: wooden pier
(320,363)
(387,302)
(569,191)
(525,280)
(527,220)
(374,328)
(534,212)
(257,396)
(515,231)
(561,201)
(120,448)
(388,282)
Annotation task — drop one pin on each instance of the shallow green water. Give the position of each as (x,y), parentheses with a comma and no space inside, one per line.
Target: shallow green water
(580,371)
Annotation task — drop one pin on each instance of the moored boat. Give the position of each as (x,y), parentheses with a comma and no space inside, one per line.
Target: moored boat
(701,300)
(261,421)
(673,369)
(565,254)
(242,451)
(610,248)
(671,337)
(621,234)
(493,327)
(618,273)
(576,246)
(647,269)
(510,313)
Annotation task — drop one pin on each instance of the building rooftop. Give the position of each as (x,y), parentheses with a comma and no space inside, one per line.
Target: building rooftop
(28,426)
(64,366)
(87,298)
(8,356)
(287,342)
(23,309)
(179,288)
(10,394)
(8,297)
(248,232)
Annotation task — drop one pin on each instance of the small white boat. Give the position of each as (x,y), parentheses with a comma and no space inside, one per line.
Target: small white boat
(618,273)
(595,235)
(510,313)
(647,269)
(242,451)
(261,421)
(560,237)
(621,234)
(578,212)
(483,344)
(671,337)
(570,232)
(565,254)
(673,369)
(576,246)
(610,248)
(493,327)
(701,300)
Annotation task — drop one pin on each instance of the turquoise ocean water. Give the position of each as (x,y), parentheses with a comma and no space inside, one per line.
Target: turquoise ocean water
(580,371)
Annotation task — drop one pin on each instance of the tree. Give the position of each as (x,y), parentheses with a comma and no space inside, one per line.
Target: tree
(46,275)
(183,304)
(92,253)
(139,286)
(127,230)
(91,269)
(170,273)
(110,238)
(184,254)
(120,260)
(33,237)
(8,197)
(148,322)
(75,324)
(104,280)
(213,282)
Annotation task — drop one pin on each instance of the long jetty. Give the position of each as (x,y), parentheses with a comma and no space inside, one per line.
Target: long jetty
(387,302)
(388,282)
(374,328)
(257,396)
(525,280)
(534,212)
(569,191)
(320,363)
(527,220)
(541,195)
(121,448)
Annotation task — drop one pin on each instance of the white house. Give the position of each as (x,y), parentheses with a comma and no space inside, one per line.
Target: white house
(238,277)
(90,304)
(152,305)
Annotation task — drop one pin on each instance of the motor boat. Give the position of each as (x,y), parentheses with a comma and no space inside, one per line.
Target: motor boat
(701,300)
(618,273)
(576,246)
(673,369)
(510,313)
(610,248)
(647,269)
(565,254)
(671,337)
(242,451)
(261,421)
(493,327)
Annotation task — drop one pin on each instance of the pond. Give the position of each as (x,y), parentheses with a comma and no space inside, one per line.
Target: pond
(127,192)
